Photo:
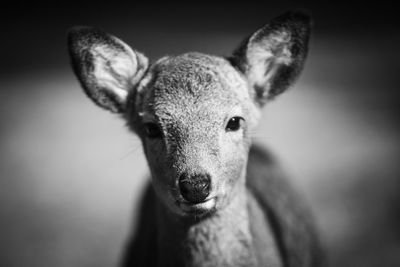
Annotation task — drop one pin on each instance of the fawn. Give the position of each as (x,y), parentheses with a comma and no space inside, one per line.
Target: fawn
(215,199)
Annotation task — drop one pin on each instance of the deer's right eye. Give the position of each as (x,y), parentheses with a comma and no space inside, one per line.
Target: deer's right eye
(152,130)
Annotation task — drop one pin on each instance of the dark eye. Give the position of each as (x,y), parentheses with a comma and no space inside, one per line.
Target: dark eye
(234,124)
(152,130)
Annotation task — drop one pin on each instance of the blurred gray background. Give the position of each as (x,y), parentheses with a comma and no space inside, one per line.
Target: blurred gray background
(71,174)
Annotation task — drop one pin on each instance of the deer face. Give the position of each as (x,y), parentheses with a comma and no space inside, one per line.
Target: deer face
(193,112)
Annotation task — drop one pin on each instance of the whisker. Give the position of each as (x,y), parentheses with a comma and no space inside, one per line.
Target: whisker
(132,150)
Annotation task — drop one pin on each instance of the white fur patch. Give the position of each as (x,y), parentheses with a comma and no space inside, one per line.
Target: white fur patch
(265,56)
(114,69)
(205,206)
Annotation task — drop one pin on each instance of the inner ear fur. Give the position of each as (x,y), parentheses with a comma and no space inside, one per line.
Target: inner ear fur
(107,68)
(273,57)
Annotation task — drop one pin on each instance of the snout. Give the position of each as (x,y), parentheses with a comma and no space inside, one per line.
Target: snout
(194,188)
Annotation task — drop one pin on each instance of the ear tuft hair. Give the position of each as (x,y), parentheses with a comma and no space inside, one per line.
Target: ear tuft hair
(273,57)
(107,68)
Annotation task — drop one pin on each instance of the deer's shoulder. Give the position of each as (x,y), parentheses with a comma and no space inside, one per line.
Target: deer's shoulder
(286,213)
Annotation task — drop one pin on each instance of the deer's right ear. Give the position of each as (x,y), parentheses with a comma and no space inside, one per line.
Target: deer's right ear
(107,68)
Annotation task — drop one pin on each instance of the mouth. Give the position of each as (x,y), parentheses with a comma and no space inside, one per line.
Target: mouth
(198,208)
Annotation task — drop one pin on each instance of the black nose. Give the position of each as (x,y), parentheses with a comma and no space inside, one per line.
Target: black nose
(194,188)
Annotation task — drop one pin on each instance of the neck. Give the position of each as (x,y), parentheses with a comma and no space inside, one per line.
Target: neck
(221,239)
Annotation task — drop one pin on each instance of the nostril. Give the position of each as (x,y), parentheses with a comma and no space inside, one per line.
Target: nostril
(196,188)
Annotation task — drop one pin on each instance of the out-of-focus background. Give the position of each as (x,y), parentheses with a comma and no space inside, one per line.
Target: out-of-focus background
(71,174)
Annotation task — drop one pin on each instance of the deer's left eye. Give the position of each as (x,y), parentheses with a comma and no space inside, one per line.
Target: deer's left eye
(234,124)
(152,130)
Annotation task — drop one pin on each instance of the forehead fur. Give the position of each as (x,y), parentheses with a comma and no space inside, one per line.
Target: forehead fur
(189,82)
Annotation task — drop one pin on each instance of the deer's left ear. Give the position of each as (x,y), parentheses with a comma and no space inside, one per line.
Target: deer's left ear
(273,57)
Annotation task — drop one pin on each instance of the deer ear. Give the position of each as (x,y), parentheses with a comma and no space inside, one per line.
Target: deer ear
(273,57)
(107,68)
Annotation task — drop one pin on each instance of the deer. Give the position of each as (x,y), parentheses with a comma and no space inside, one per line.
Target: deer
(214,198)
